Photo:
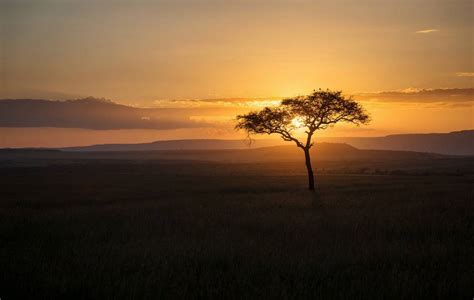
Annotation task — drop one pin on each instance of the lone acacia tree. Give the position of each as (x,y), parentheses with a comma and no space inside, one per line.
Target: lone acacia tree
(317,111)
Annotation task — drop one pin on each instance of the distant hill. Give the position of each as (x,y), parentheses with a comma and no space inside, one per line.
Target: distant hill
(453,143)
(321,152)
(285,153)
(338,152)
(197,144)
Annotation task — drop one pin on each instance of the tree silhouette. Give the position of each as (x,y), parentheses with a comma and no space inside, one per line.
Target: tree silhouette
(317,111)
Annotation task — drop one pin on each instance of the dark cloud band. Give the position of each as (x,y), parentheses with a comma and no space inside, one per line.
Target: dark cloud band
(90,114)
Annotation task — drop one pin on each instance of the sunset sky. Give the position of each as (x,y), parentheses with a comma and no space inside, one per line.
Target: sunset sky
(410,62)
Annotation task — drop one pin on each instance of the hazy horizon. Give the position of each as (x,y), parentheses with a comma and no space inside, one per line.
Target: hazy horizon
(88,124)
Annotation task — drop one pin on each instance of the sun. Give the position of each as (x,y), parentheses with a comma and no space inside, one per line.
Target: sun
(297,123)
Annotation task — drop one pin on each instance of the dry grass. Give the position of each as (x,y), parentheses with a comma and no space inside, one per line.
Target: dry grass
(210,230)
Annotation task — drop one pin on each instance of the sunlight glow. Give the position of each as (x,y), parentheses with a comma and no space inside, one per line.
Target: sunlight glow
(297,123)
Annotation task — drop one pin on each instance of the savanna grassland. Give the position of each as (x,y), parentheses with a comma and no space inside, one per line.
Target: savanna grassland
(93,228)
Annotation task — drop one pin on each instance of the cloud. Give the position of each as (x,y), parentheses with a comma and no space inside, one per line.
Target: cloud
(408,95)
(213,103)
(448,96)
(15,92)
(427,31)
(465,74)
(100,114)
(91,113)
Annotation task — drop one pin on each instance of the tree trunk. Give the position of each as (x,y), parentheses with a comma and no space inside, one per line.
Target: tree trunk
(310,170)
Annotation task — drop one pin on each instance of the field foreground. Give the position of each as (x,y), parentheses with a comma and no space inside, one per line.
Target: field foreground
(179,229)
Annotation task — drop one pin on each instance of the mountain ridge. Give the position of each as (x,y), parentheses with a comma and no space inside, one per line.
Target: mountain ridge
(453,143)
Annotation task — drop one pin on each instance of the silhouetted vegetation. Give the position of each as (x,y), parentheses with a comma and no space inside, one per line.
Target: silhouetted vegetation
(318,111)
(90,226)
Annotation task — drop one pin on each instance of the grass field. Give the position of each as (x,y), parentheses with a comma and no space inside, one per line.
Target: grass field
(100,229)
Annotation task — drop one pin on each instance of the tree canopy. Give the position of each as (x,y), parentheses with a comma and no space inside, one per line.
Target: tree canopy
(319,110)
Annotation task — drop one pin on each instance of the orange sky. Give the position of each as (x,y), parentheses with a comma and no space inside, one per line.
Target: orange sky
(146,53)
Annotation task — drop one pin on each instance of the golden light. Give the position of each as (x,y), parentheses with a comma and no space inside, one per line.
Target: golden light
(297,123)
